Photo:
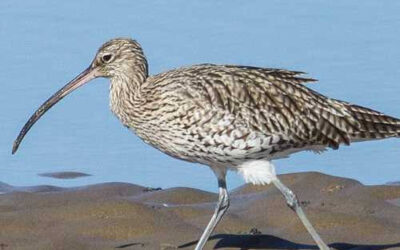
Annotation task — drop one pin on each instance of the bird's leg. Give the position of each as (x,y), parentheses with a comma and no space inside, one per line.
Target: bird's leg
(294,204)
(222,206)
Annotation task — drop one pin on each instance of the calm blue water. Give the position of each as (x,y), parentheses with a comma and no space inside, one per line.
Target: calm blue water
(352,47)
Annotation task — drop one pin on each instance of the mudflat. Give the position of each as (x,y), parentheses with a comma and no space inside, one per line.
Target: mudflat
(346,213)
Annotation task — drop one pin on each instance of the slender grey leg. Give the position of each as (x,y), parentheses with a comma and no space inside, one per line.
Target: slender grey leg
(293,203)
(222,206)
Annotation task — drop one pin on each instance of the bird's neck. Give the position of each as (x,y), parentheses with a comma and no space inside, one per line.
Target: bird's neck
(126,98)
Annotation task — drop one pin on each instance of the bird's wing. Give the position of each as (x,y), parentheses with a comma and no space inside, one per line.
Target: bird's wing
(274,101)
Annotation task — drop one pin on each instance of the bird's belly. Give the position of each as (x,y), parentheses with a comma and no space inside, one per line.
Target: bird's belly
(229,148)
(213,137)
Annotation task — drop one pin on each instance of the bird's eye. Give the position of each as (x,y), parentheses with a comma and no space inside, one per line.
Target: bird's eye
(106,58)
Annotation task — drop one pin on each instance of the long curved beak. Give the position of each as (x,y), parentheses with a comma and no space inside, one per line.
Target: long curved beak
(84,77)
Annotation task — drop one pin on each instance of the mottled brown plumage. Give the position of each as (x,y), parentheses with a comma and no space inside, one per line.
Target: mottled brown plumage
(225,116)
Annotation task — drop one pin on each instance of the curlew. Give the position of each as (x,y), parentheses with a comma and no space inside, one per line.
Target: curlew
(226,117)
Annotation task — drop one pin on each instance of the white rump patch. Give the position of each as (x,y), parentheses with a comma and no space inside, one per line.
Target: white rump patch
(257,172)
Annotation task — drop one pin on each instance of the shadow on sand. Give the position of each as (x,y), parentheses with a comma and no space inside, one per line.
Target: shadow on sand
(244,242)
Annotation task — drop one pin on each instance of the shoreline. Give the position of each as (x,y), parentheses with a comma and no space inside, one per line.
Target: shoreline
(346,213)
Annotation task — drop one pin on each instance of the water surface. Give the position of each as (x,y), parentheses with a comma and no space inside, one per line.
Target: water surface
(352,47)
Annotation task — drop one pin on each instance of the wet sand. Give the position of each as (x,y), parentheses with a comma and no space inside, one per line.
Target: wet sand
(64,175)
(347,214)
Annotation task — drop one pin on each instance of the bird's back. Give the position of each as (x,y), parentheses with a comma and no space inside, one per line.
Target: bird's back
(226,114)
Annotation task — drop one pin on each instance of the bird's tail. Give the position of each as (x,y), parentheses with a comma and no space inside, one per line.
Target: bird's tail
(372,124)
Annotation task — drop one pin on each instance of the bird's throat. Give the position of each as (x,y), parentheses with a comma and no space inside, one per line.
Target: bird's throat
(126,97)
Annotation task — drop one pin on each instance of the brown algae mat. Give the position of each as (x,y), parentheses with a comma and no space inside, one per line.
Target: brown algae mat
(347,214)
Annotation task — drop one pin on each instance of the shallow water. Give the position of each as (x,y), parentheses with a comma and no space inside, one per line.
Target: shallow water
(351,47)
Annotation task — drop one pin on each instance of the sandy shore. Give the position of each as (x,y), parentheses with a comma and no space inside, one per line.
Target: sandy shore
(346,213)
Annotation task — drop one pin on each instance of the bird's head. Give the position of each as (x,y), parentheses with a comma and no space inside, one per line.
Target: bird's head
(116,58)
(119,56)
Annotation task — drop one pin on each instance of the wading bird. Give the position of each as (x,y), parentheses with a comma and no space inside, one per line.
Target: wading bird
(226,117)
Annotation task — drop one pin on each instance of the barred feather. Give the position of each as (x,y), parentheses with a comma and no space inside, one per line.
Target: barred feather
(373,124)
